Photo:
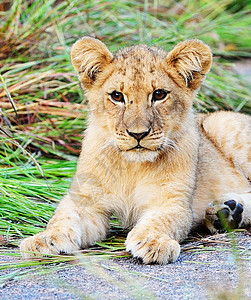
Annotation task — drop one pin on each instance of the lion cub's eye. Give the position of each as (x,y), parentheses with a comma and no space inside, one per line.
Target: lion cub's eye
(117,96)
(159,95)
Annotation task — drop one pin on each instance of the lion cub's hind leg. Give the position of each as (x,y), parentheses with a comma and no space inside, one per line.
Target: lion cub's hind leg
(231,211)
(231,135)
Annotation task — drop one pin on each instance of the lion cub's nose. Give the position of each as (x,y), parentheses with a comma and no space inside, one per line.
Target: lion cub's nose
(139,136)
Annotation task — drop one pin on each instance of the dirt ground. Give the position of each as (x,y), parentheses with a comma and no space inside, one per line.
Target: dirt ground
(211,267)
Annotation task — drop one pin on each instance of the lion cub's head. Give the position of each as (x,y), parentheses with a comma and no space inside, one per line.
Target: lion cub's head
(141,96)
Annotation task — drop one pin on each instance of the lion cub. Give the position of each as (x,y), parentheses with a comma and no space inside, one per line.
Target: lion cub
(147,158)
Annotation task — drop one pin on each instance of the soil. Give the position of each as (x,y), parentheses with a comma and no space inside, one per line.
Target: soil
(209,267)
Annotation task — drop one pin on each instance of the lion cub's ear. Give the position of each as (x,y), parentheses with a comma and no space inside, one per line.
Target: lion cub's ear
(192,60)
(89,56)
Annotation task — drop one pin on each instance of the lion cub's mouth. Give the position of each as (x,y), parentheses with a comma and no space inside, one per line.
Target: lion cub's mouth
(139,148)
(140,154)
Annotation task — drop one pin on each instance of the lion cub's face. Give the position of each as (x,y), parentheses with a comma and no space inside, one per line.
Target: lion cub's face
(138,102)
(141,96)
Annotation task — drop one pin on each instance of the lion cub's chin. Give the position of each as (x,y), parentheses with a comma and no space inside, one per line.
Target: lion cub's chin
(141,156)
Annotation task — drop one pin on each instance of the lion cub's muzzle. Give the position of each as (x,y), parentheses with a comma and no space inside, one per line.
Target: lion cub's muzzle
(140,146)
(139,136)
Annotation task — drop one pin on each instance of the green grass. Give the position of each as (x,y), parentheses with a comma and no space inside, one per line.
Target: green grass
(43,110)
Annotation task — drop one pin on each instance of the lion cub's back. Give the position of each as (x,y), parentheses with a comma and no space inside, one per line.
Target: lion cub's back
(231,134)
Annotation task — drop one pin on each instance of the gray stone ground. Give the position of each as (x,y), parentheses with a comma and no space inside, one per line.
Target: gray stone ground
(200,273)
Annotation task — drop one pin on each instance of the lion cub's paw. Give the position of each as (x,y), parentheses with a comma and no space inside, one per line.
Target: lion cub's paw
(224,216)
(50,241)
(151,247)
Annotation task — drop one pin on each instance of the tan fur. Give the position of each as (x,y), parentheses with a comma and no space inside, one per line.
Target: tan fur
(161,190)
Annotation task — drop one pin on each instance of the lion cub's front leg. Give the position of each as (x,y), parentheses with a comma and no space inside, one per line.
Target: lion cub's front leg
(152,246)
(70,229)
(156,237)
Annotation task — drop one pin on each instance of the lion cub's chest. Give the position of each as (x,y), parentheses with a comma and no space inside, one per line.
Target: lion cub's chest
(129,201)
(130,189)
